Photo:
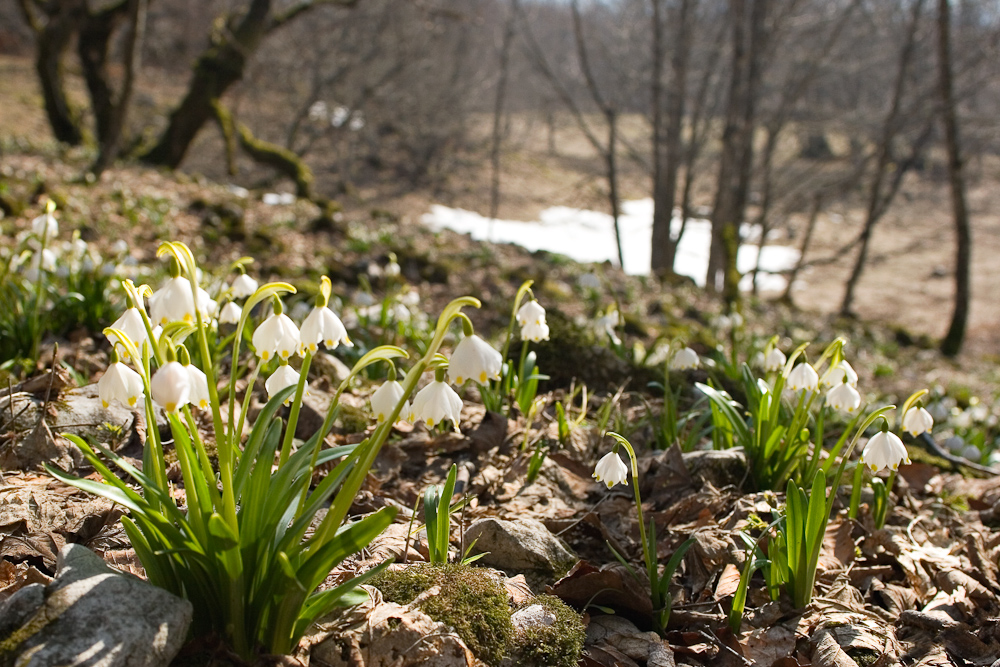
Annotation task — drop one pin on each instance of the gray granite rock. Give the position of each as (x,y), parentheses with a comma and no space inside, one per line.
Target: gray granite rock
(92,614)
(520,546)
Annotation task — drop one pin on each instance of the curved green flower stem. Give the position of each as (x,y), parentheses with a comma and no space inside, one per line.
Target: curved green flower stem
(152,458)
(203,460)
(244,407)
(505,384)
(293,415)
(648,554)
(36,306)
(365,454)
(859,478)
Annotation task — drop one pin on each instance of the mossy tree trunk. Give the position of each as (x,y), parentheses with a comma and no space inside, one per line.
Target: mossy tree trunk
(234,40)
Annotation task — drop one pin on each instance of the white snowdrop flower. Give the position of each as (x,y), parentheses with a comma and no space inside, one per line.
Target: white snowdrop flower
(384,400)
(284,376)
(803,378)
(609,322)
(120,384)
(130,324)
(435,403)
(884,450)
(410,298)
(120,247)
(961,419)
(243,286)
(474,359)
(277,335)
(230,314)
(392,270)
(530,313)
(917,421)
(172,302)
(757,361)
(837,374)
(171,386)
(207,306)
(323,326)
(844,397)
(686,359)
(48,260)
(46,226)
(198,381)
(775,360)
(535,331)
(611,470)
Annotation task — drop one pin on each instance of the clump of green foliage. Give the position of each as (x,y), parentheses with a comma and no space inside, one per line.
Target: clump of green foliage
(557,645)
(471,601)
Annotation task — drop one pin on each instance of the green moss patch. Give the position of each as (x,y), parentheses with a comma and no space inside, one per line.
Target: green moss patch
(557,645)
(471,601)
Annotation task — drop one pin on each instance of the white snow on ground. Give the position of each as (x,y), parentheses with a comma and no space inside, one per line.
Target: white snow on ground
(588,236)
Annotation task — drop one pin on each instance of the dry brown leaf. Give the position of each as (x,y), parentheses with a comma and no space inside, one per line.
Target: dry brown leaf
(729,581)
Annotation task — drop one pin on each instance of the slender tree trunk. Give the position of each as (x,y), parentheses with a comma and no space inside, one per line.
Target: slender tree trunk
(737,151)
(53,39)
(952,343)
(110,143)
(498,103)
(611,159)
(890,128)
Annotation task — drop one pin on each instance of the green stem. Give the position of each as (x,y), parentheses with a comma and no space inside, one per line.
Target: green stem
(859,477)
(293,416)
(648,555)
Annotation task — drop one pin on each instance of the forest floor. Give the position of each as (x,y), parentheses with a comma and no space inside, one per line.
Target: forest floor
(923,590)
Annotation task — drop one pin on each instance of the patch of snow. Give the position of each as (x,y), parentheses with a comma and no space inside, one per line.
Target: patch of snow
(588,236)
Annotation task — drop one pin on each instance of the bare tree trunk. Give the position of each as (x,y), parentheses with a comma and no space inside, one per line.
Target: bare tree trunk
(110,143)
(498,102)
(737,148)
(670,155)
(611,160)
(52,38)
(218,68)
(877,203)
(952,343)
(92,47)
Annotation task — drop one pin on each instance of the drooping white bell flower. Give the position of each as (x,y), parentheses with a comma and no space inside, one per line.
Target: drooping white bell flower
(775,360)
(474,359)
(686,359)
(323,326)
(198,396)
(230,314)
(120,384)
(46,226)
(535,331)
(277,335)
(172,303)
(837,374)
(435,403)
(844,397)
(531,313)
(130,323)
(884,450)
(384,400)
(171,386)
(917,421)
(284,376)
(243,286)
(803,378)
(611,470)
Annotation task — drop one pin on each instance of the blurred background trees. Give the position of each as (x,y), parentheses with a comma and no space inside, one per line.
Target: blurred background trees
(744,110)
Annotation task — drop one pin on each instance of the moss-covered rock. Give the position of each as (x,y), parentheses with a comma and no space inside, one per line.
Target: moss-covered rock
(470,600)
(555,640)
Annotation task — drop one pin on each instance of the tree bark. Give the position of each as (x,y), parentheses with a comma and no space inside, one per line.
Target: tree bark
(952,343)
(92,48)
(218,68)
(114,125)
(52,38)
(668,157)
